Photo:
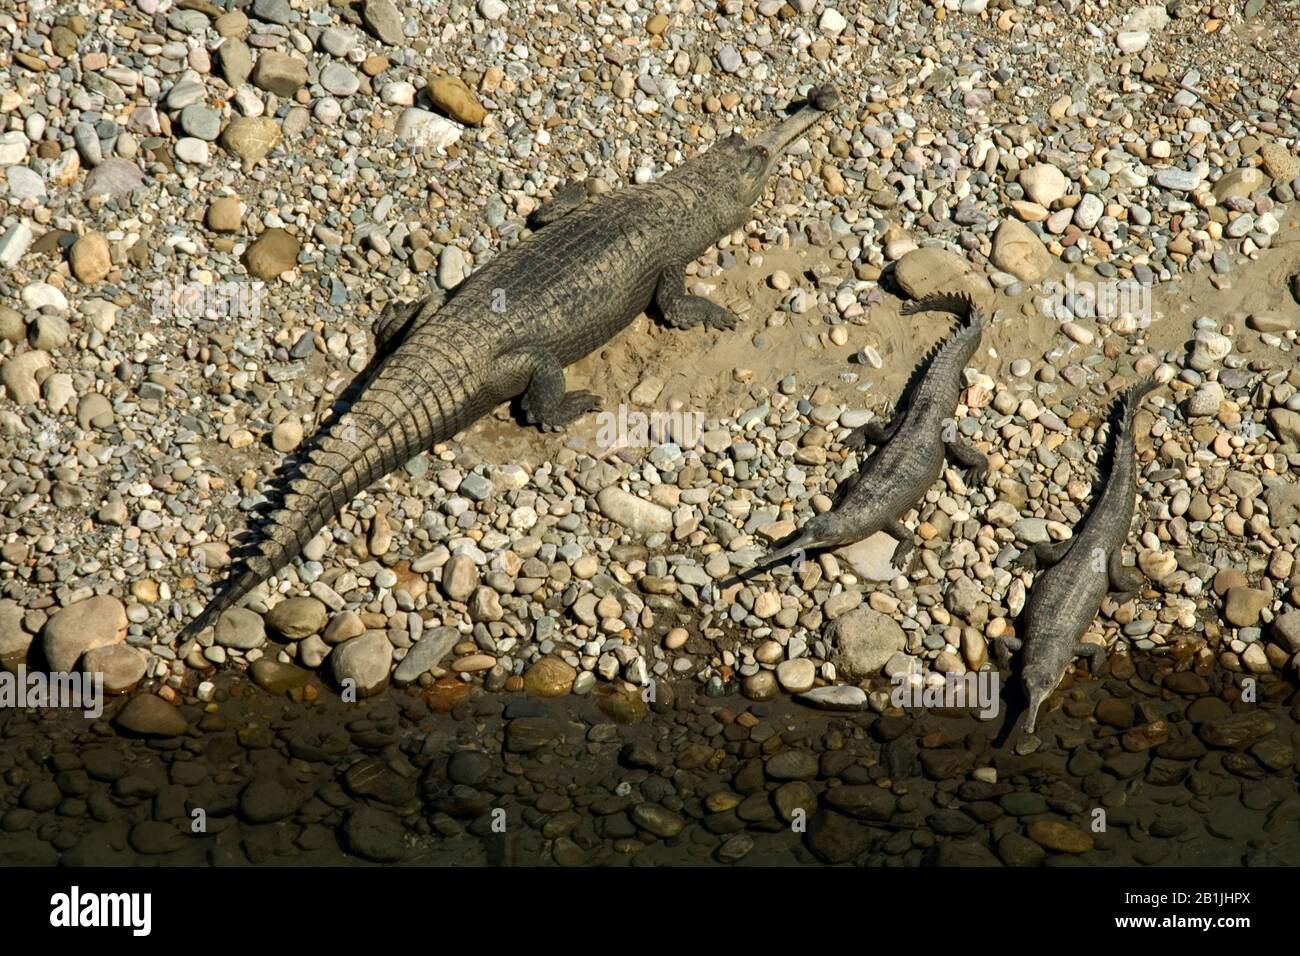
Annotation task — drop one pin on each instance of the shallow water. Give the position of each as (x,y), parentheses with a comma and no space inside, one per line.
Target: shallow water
(1198,778)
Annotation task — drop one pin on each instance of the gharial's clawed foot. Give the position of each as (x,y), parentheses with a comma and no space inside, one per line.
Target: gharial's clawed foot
(976,462)
(1096,656)
(568,409)
(693,310)
(393,323)
(903,536)
(1026,560)
(1003,648)
(899,557)
(872,433)
(721,318)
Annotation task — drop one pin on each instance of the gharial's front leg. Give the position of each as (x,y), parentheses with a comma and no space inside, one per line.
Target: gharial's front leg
(545,402)
(900,533)
(971,457)
(681,310)
(1004,646)
(1123,579)
(1094,654)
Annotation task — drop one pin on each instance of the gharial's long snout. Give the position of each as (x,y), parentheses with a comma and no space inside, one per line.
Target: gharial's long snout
(1036,699)
(821,99)
(1038,687)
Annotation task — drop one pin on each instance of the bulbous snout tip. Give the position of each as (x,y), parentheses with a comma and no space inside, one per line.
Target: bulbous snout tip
(779,137)
(824,98)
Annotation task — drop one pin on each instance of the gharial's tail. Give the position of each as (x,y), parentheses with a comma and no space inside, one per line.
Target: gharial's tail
(379,433)
(1130,400)
(959,304)
(805,541)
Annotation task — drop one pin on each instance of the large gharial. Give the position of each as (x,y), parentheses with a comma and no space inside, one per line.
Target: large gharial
(914,444)
(513,326)
(1081,570)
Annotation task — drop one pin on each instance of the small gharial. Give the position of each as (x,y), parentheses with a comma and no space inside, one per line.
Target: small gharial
(1081,570)
(914,443)
(513,326)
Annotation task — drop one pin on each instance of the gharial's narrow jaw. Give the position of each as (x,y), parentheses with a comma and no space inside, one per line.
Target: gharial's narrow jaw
(821,99)
(1038,687)
(1036,699)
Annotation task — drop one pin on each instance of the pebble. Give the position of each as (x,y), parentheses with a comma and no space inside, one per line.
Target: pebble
(123,667)
(71,631)
(383,20)
(1279,162)
(363,662)
(148,715)
(426,129)
(251,138)
(550,677)
(19,374)
(836,697)
(1206,400)
(1177,180)
(928,271)
(279,73)
(1044,183)
(427,653)
(240,629)
(90,258)
(1060,837)
(339,80)
(1018,251)
(297,617)
(637,515)
(865,641)
(274,252)
(450,95)
(14,243)
(225,214)
(796,676)
(286,436)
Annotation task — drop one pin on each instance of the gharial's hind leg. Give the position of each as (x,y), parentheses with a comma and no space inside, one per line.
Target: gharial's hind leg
(393,323)
(1042,555)
(545,402)
(563,201)
(1123,579)
(682,310)
(971,457)
(873,433)
(900,532)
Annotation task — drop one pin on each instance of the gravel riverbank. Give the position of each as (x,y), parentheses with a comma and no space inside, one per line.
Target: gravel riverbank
(205,206)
